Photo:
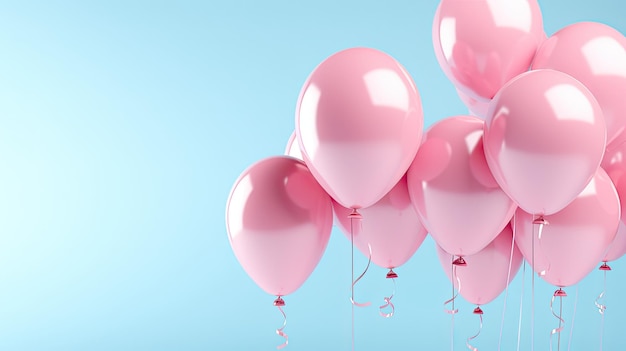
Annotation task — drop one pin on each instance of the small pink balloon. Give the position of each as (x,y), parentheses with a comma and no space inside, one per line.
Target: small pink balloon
(576,238)
(455,195)
(390,226)
(486,273)
(359,123)
(482,44)
(477,108)
(293,149)
(617,248)
(544,139)
(279,222)
(594,54)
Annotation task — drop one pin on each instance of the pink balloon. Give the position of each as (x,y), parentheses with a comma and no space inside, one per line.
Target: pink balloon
(477,108)
(455,195)
(486,273)
(595,54)
(576,238)
(359,123)
(544,139)
(482,44)
(293,149)
(278,221)
(390,226)
(617,248)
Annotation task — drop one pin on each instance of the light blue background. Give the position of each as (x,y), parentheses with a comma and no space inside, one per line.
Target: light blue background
(123,126)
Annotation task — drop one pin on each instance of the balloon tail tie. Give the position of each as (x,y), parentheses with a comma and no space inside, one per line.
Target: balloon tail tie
(391,275)
(479,312)
(369,261)
(521,304)
(560,294)
(280,303)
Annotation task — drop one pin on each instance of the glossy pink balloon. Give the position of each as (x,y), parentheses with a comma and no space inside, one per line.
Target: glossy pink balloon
(594,54)
(617,248)
(544,139)
(359,123)
(293,149)
(390,226)
(482,44)
(477,108)
(486,273)
(278,221)
(576,238)
(455,195)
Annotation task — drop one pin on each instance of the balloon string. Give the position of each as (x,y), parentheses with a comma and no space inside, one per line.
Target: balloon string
(453,311)
(521,304)
(369,260)
(601,308)
(279,303)
(571,330)
(508,279)
(388,303)
(480,328)
(541,221)
(559,317)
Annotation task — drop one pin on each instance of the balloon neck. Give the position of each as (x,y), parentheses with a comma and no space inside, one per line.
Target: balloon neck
(459,262)
(391,274)
(355,214)
(279,302)
(477,310)
(605,267)
(560,293)
(540,220)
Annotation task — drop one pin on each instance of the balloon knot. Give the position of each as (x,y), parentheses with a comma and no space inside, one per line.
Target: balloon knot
(279,302)
(560,293)
(355,214)
(459,262)
(477,310)
(605,267)
(540,220)
(391,274)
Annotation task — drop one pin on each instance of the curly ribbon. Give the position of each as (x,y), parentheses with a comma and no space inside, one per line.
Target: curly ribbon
(560,294)
(391,275)
(479,312)
(600,306)
(541,222)
(279,303)
(453,311)
(369,260)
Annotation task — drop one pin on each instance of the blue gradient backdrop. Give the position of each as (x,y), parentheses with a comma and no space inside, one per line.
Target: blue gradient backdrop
(123,125)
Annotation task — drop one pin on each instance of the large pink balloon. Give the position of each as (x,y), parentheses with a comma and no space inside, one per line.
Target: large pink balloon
(391,227)
(278,221)
(482,44)
(595,54)
(485,275)
(544,139)
(359,123)
(576,238)
(455,195)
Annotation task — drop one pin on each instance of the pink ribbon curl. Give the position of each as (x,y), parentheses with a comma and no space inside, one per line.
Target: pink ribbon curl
(560,294)
(391,275)
(279,303)
(479,312)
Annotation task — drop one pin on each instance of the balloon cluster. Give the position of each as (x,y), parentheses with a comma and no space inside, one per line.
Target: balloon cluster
(545,144)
